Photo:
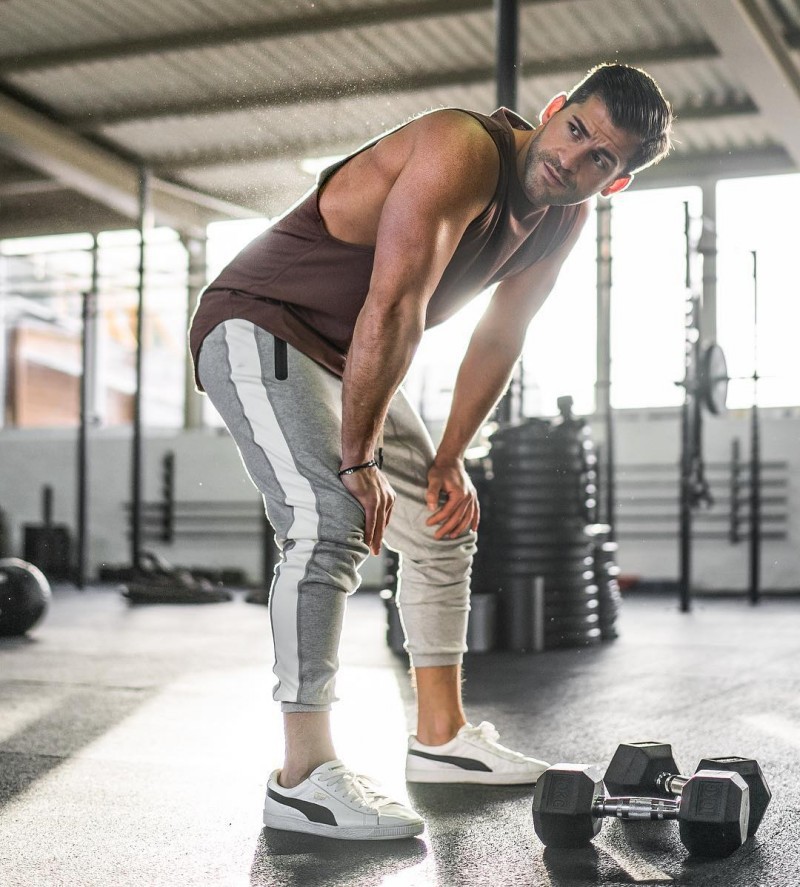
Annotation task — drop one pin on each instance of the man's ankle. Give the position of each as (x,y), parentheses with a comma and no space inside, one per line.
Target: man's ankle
(291,777)
(438,734)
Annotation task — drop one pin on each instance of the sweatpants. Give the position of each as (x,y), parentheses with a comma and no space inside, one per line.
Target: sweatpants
(285,417)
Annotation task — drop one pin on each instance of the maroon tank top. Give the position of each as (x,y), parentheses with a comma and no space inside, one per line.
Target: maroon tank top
(302,285)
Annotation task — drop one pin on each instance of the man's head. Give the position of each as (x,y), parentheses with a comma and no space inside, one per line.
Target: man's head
(614,123)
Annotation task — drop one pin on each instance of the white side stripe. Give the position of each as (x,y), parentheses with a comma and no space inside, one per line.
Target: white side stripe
(267,434)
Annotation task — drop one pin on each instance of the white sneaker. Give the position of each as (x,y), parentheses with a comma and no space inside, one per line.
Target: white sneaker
(473,755)
(338,803)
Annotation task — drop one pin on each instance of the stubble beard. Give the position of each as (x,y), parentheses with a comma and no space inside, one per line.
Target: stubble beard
(539,190)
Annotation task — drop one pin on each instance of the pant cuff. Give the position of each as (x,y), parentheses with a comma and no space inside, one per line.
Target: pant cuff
(427,660)
(290,707)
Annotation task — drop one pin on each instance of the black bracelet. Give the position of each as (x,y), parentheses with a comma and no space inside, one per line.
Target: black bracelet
(352,470)
(373,463)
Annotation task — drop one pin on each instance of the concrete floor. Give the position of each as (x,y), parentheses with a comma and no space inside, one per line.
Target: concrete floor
(135,743)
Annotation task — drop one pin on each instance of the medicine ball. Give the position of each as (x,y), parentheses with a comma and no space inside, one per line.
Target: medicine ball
(24,596)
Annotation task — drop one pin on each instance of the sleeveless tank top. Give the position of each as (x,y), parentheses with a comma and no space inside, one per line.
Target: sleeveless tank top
(306,287)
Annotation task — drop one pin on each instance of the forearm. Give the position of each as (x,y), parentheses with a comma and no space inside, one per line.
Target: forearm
(384,342)
(482,378)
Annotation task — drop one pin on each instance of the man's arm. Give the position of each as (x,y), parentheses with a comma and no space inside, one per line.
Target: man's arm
(484,374)
(446,171)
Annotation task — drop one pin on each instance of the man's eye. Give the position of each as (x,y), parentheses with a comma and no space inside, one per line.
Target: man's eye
(573,129)
(598,159)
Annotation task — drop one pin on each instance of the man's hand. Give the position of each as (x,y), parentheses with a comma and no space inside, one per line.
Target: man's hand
(452,498)
(376,496)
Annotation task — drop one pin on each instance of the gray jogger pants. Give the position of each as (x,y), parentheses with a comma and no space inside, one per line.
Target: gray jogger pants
(287,426)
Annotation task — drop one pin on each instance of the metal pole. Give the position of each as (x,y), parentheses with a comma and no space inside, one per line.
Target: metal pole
(755,459)
(88,316)
(708,250)
(4,332)
(196,280)
(507,57)
(507,77)
(687,436)
(136,472)
(606,510)
(537,615)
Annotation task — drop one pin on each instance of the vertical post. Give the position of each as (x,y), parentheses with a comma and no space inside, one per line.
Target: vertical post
(537,615)
(708,249)
(196,280)
(755,459)
(136,468)
(507,76)
(687,431)
(735,490)
(87,412)
(507,56)
(602,397)
(3,338)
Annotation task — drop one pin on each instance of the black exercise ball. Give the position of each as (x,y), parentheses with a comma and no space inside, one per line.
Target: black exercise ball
(24,596)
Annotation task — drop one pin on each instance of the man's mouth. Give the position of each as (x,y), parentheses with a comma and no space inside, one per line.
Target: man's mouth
(552,175)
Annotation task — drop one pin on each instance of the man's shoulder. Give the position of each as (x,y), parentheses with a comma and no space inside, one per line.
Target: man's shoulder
(452,119)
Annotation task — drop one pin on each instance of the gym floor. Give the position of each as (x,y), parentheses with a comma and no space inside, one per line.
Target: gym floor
(135,744)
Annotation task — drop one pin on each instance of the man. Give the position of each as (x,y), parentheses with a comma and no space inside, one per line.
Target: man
(302,343)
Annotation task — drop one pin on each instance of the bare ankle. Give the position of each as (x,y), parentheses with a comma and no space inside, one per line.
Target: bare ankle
(438,734)
(292,778)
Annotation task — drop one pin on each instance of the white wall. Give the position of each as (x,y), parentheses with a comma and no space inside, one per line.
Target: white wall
(653,436)
(208,467)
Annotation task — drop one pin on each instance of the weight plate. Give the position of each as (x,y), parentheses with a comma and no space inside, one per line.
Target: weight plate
(713,379)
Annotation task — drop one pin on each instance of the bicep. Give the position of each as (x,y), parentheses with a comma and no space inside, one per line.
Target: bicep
(440,189)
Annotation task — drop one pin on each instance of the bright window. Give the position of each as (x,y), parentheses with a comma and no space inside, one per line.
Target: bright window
(649,295)
(759,214)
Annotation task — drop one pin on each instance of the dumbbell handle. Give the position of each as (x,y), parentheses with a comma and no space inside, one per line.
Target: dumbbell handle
(636,808)
(671,782)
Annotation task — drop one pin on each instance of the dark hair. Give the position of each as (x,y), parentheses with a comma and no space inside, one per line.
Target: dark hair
(636,104)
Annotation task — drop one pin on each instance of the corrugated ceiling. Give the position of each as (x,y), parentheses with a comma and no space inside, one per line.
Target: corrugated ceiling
(228,97)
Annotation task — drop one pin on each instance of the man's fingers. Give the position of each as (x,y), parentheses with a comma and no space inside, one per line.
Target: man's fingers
(476,519)
(433,493)
(369,525)
(454,505)
(447,528)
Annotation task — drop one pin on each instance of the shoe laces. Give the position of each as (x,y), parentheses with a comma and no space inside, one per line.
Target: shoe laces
(356,788)
(486,734)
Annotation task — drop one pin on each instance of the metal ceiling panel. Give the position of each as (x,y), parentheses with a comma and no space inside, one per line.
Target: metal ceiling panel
(32,26)
(299,64)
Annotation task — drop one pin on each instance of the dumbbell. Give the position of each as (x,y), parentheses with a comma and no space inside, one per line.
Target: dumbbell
(569,805)
(639,768)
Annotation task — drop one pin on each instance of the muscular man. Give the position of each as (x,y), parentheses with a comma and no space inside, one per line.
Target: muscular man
(302,343)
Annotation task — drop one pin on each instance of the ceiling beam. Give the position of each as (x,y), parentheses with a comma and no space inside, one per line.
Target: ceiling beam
(694,168)
(302,148)
(756,53)
(253,32)
(52,149)
(575,67)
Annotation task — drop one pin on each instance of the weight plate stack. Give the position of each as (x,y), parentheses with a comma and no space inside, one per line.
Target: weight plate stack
(606,571)
(538,487)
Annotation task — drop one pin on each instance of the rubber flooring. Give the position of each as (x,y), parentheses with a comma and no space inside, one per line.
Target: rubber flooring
(135,744)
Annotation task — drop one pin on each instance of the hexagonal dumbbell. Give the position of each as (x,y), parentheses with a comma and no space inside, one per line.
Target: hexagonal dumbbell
(569,804)
(643,768)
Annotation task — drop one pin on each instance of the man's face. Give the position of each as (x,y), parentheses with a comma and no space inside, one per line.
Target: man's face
(577,152)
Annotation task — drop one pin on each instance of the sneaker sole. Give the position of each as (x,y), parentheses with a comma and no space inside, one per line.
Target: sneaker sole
(471,777)
(345,833)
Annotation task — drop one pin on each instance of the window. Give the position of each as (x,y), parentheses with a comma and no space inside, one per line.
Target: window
(759,214)
(649,295)
(42,287)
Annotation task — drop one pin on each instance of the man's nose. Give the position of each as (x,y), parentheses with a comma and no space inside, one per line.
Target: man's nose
(568,158)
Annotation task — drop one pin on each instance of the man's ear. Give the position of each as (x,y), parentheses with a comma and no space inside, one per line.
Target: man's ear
(617,186)
(553,106)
